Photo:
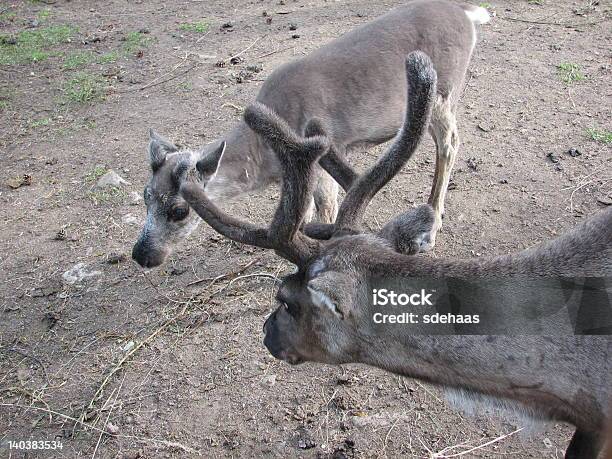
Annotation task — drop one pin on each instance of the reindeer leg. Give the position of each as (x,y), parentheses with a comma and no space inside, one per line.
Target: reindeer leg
(326,198)
(584,445)
(443,129)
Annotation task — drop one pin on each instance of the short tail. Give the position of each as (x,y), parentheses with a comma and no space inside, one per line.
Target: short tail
(476,14)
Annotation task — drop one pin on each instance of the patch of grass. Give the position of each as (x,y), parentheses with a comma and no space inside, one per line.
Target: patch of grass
(43,15)
(570,72)
(5,98)
(95,174)
(534,2)
(199,26)
(136,41)
(111,194)
(78,59)
(84,87)
(600,135)
(108,58)
(8,17)
(40,122)
(82,58)
(185,86)
(32,45)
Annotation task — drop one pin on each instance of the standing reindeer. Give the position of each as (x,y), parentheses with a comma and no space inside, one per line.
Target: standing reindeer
(325,314)
(356,87)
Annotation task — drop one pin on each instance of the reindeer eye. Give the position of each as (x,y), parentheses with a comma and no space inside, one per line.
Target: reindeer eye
(178,213)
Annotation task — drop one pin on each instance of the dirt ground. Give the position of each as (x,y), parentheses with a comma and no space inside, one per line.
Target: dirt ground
(130,363)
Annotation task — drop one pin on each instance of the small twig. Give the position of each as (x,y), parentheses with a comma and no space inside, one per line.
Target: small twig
(387,436)
(150,85)
(560,24)
(274,52)
(248,47)
(246,276)
(224,276)
(475,448)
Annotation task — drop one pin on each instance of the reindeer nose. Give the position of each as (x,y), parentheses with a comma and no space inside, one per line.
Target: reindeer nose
(145,256)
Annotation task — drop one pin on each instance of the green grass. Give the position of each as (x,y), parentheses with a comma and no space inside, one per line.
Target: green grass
(570,72)
(84,87)
(199,26)
(82,58)
(41,122)
(30,46)
(108,58)
(43,15)
(110,195)
(5,98)
(8,17)
(78,59)
(136,41)
(95,174)
(600,135)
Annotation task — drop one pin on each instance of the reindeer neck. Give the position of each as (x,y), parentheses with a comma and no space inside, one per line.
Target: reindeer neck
(247,164)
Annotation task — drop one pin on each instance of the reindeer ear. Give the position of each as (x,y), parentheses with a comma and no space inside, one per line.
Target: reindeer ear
(332,291)
(409,233)
(208,165)
(159,147)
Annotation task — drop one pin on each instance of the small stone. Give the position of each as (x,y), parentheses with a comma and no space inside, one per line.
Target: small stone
(553,158)
(128,347)
(269,380)
(112,428)
(111,179)
(114,258)
(78,273)
(547,443)
(295,36)
(292,26)
(61,235)
(306,443)
(227,25)
(574,152)
(503,181)
(135,198)
(130,219)
(236,60)
(18,182)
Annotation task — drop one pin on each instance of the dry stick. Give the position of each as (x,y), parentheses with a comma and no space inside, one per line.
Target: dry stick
(224,276)
(561,24)
(171,444)
(475,448)
(125,358)
(105,424)
(387,436)
(274,52)
(138,347)
(150,85)
(247,48)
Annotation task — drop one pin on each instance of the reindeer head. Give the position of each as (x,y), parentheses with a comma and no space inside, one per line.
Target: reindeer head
(320,313)
(168,217)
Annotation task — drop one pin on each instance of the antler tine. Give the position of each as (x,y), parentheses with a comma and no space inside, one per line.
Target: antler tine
(230,227)
(421,78)
(297,156)
(334,163)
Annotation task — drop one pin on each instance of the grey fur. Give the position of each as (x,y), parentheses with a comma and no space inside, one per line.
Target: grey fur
(356,88)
